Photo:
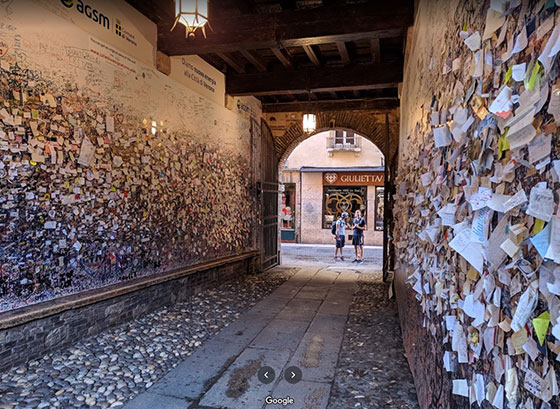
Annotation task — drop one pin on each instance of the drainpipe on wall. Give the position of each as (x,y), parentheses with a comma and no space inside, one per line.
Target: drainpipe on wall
(385,203)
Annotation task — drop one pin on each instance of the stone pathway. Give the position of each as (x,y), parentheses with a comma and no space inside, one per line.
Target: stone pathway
(343,335)
(109,369)
(300,324)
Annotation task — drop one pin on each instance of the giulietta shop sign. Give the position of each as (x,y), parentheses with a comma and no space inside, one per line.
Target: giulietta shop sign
(353,178)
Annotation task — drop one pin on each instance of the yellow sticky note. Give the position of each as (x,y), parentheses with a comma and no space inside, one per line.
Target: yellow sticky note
(534,76)
(509,73)
(538,226)
(503,144)
(472,274)
(541,326)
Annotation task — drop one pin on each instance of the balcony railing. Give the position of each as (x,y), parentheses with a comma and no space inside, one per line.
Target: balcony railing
(351,144)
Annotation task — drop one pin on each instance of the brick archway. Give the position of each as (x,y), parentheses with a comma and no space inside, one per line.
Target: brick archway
(370,126)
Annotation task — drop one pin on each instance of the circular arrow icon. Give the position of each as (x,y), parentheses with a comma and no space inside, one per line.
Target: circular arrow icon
(266,374)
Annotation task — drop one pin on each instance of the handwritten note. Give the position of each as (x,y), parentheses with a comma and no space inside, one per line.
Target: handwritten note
(541,203)
(553,251)
(472,252)
(525,306)
(87,153)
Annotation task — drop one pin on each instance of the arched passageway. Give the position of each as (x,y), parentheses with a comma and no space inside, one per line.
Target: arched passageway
(328,173)
(381,129)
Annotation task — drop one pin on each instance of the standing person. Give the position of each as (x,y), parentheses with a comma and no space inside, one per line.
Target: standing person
(339,236)
(359,225)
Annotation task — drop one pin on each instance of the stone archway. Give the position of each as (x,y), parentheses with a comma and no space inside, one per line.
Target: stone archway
(369,125)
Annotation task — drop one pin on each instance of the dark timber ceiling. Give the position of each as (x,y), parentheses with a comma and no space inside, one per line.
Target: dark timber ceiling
(298,54)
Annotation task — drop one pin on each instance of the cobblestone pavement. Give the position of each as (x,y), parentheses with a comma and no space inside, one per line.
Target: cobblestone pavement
(372,369)
(109,369)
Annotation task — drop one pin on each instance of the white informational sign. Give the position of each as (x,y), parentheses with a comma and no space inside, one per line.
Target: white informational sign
(196,74)
(116,23)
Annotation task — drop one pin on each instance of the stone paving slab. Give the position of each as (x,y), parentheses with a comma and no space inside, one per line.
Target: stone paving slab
(317,354)
(333,307)
(189,379)
(313,292)
(300,310)
(287,291)
(281,334)
(307,395)
(270,306)
(244,330)
(324,278)
(239,387)
(152,401)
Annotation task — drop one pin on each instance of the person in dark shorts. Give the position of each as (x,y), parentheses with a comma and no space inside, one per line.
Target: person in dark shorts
(359,225)
(339,236)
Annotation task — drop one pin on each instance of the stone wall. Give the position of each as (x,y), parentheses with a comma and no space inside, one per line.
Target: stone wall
(31,332)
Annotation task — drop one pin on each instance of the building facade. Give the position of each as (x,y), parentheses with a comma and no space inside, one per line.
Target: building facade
(327,174)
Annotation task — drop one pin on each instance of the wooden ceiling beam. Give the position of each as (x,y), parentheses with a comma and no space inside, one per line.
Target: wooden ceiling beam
(313,56)
(343,51)
(381,104)
(316,79)
(232,63)
(289,28)
(253,59)
(375,50)
(288,4)
(284,58)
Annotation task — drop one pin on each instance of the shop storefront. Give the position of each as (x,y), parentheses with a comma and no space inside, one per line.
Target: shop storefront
(287,215)
(315,197)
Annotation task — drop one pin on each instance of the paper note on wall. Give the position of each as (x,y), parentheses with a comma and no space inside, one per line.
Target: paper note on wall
(525,306)
(87,153)
(472,252)
(541,203)
(553,251)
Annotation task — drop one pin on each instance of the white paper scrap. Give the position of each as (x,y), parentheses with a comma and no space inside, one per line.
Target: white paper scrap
(525,306)
(472,252)
(541,203)
(461,387)
(473,41)
(518,72)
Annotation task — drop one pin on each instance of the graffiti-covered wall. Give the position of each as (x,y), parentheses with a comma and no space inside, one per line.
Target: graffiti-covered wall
(108,169)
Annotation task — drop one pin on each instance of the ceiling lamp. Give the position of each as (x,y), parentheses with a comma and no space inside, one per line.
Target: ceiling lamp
(193,14)
(309,120)
(309,123)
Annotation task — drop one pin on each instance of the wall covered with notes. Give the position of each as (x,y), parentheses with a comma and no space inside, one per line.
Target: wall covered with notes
(477,209)
(109,170)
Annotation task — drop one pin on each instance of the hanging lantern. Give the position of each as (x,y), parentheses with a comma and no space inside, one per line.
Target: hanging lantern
(193,14)
(309,123)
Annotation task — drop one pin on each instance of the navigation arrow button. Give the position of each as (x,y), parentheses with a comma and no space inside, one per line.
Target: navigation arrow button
(266,375)
(293,374)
